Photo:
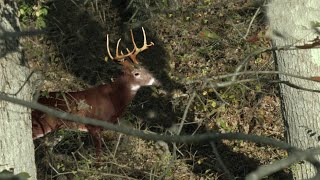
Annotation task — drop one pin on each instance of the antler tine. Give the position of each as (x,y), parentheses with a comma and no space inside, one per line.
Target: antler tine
(132,54)
(108,49)
(145,40)
(133,42)
(137,50)
(118,56)
(117,49)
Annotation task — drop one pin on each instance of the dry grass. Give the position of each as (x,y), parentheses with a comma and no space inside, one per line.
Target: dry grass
(202,39)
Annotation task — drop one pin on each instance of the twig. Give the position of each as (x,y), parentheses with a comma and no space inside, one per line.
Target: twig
(75,4)
(296,86)
(53,168)
(229,83)
(252,19)
(271,49)
(110,175)
(75,160)
(171,163)
(133,15)
(128,6)
(113,157)
(218,95)
(296,156)
(184,116)
(262,72)
(199,123)
(257,52)
(24,83)
(251,73)
(82,156)
(117,145)
(220,161)
(60,174)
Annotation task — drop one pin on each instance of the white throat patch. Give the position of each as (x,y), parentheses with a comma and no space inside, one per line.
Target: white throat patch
(151,82)
(135,87)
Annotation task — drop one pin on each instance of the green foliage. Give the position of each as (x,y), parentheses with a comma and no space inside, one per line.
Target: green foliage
(223,124)
(5,174)
(44,94)
(209,35)
(315,24)
(29,13)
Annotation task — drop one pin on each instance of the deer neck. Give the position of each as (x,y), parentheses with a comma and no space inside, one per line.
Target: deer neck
(123,92)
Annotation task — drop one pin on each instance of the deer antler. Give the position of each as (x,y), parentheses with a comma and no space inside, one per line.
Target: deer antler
(132,54)
(137,50)
(119,58)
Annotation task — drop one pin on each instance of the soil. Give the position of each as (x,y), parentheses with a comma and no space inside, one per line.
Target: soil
(194,41)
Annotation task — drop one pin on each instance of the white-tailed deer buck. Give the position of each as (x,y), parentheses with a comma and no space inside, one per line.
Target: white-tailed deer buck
(105,102)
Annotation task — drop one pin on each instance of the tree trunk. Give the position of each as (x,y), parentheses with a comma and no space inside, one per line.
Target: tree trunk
(291,23)
(16,145)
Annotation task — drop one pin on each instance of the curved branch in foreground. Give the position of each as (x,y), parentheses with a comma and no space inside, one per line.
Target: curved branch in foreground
(260,51)
(297,155)
(308,155)
(200,138)
(256,73)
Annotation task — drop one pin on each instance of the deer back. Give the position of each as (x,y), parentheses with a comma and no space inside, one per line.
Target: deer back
(105,102)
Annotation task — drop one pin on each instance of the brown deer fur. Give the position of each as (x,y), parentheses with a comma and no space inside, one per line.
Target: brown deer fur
(105,102)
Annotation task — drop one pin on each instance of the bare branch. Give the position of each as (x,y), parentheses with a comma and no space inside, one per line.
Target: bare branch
(250,24)
(295,157)
(251,73)
(199,138)
(260,51)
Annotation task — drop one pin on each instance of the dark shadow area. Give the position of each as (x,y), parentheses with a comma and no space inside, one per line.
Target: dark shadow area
(156,110)
(77,31)
(76,37)
(204,162)
(79,41)
(238,164)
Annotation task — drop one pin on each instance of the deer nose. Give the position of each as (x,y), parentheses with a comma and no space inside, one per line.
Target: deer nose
(153,81)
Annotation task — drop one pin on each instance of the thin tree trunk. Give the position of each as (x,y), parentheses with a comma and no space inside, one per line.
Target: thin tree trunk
(291,23)
(16,145)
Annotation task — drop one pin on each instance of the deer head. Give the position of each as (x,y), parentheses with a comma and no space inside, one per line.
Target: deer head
(135,74)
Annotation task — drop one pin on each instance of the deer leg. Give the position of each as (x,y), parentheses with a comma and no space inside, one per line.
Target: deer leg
(96,135)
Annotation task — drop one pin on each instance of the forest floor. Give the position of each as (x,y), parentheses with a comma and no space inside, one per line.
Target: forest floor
(194,41)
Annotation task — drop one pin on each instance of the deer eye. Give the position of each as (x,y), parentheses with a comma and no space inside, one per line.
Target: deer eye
(136,74)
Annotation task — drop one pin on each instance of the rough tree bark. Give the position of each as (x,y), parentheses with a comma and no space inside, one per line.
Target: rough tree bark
(16,145)
(292,22)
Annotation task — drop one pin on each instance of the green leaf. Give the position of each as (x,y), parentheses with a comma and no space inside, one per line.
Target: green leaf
(38,13)
(213,104)
(209,35)
(315,24)
(24,175)
(43,11)
(22,11)
(40,23)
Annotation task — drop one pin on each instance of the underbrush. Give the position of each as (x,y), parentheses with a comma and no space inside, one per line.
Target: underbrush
(194,42)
